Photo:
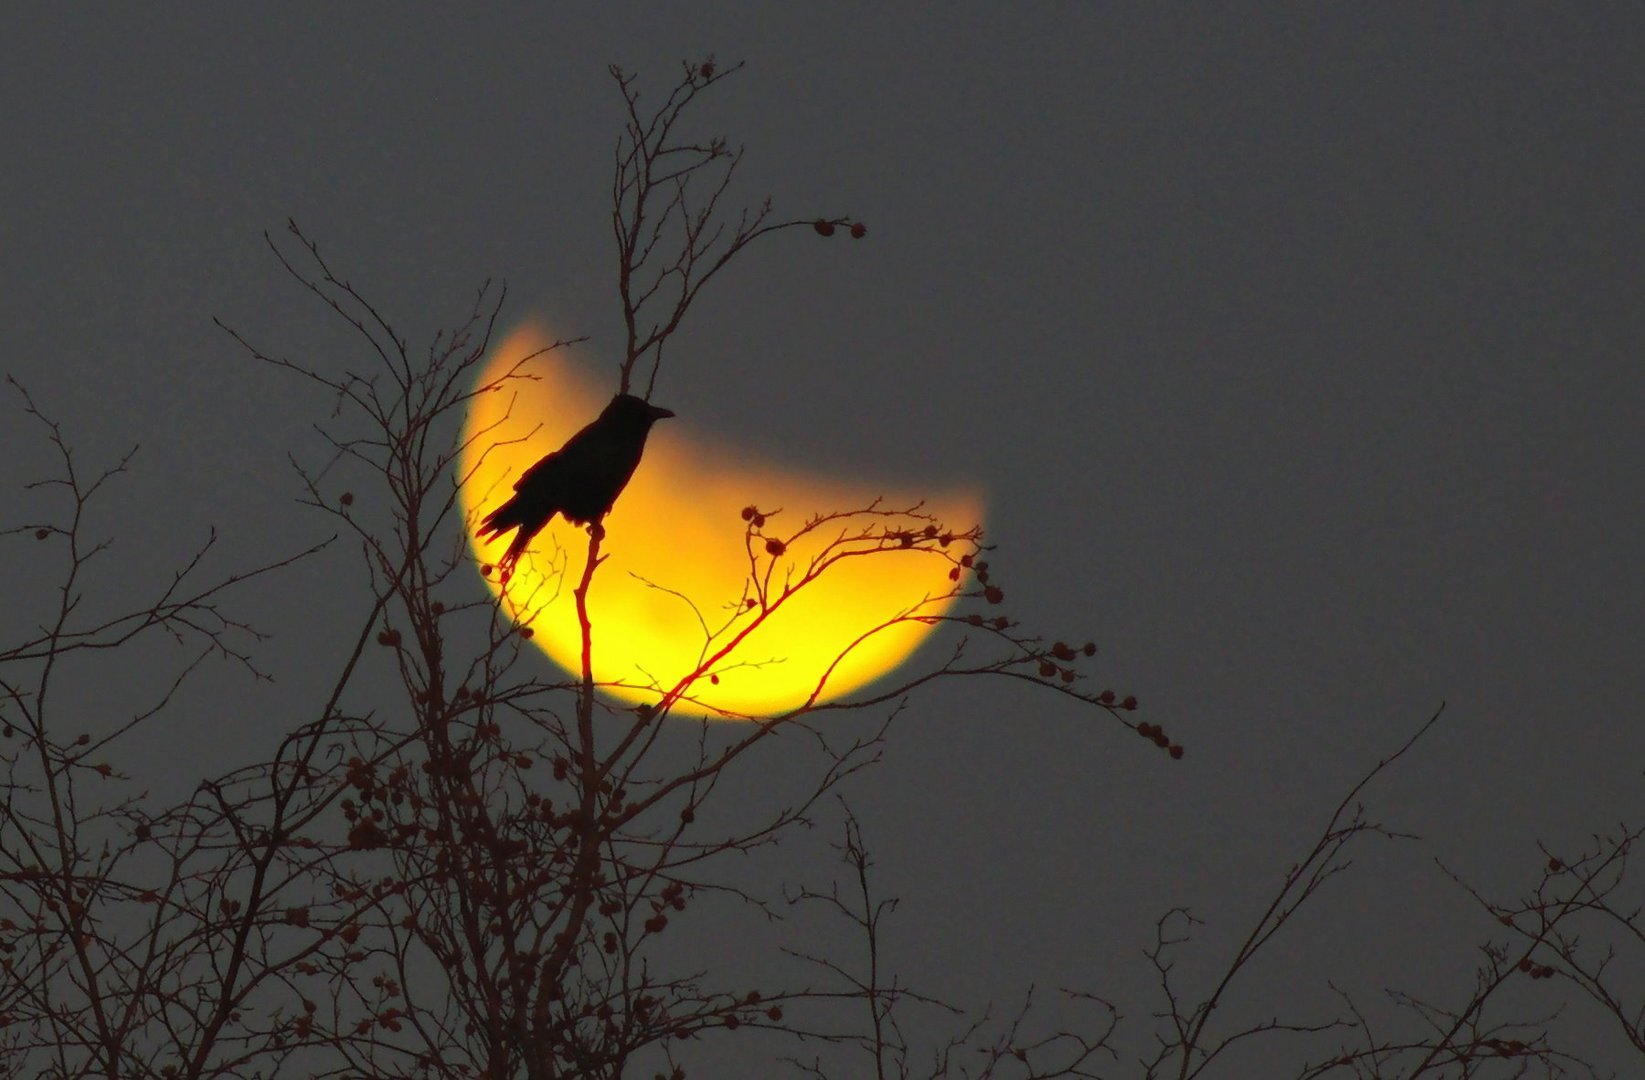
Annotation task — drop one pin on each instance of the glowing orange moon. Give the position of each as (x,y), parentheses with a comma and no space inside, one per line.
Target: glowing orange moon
(676,584)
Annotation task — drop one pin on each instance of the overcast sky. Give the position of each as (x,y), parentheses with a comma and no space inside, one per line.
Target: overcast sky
(1298,351)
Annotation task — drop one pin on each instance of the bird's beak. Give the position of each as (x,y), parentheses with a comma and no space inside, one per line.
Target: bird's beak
(660,413)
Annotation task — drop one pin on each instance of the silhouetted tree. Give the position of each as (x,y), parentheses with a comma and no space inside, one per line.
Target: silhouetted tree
(455,863)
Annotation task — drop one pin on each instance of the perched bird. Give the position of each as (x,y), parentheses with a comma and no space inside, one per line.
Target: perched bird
(580,480)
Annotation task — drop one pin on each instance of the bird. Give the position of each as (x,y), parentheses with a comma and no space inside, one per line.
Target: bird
(580,480)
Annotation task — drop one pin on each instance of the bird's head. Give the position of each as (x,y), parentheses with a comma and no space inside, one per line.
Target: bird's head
(636,409)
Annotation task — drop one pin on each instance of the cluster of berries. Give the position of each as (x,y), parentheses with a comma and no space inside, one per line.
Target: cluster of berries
(825,227)
(1154,732)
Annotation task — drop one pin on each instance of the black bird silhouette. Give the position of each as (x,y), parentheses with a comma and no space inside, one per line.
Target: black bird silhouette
(581,479)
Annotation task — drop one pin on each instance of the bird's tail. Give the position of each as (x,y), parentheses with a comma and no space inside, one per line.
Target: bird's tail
(499,521)
(512,555)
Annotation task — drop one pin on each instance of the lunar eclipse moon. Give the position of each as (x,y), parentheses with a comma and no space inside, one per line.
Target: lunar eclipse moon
(680,569)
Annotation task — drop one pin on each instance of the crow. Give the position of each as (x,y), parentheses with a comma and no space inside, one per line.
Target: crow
(581,479)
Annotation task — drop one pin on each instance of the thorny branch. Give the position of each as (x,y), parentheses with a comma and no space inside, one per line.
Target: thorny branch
(671,232)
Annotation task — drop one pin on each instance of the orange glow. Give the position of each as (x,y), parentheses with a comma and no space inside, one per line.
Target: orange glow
(678,556)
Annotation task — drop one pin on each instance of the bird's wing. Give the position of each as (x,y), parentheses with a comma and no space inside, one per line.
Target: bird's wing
(546,467)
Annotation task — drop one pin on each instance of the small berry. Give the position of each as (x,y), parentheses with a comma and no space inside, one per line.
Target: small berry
(824,228)
(347,498)
(858,230)
(748,513)
(1176,751)
(775,547)
(993,594)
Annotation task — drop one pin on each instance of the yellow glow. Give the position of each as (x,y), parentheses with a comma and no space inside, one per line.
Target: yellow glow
(678,526)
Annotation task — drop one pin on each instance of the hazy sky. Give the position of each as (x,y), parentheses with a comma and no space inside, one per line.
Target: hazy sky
(1298,351)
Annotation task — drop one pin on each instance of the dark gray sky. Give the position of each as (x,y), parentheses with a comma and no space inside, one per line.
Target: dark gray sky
(1298,350)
